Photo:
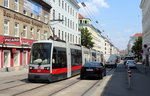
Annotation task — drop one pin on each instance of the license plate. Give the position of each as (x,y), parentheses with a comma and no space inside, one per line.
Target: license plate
(89,69)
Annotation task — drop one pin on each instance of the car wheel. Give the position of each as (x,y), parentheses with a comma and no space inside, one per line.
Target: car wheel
(81,77)
(101,76)
(105,72)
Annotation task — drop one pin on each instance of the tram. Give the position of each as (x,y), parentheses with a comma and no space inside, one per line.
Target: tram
(54,60)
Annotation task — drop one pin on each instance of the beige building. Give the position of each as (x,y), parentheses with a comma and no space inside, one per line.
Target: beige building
(22,23)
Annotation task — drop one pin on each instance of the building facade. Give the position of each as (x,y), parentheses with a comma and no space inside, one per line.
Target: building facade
(64,20)
(22,23)
(101,43)
(131,43)
(145,6)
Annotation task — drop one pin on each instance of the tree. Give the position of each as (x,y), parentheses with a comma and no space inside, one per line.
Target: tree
(86,38)
(137,47)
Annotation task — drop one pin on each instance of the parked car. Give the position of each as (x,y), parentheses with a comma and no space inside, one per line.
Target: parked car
(93,69)
(131,64)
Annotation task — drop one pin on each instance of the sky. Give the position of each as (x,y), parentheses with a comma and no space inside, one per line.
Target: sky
(119,19)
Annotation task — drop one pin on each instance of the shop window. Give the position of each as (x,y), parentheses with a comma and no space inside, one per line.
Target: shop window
(16,58)
(24,61)
(6,58)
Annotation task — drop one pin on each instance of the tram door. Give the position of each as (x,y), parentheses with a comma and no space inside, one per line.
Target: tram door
(68,61)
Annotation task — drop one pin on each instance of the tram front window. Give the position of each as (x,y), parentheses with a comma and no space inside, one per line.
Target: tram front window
(41,53)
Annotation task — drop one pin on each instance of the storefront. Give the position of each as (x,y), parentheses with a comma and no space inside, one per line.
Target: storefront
(14,53)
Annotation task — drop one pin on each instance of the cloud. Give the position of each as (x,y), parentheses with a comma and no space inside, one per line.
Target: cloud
(102,3)
(92,6)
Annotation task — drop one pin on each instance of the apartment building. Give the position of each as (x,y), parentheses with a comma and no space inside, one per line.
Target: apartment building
(64,20)
(22,23)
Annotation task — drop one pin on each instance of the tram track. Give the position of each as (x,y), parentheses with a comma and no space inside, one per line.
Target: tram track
(54,92)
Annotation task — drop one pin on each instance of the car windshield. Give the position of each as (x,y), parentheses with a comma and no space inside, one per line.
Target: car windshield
(92,64)
(131,61)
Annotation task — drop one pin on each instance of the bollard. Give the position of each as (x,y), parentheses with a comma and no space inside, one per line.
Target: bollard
(129,77)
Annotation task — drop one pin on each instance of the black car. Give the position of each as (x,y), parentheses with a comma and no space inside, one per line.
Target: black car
(93,69)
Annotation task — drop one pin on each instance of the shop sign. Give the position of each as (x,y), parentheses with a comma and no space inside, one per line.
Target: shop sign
(12,39)
(26,43)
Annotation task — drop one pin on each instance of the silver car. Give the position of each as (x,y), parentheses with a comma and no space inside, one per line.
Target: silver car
(131,64)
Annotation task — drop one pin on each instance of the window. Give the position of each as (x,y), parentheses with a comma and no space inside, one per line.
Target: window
(65,7)
(53,14)
(59,59)
(31,32)
(65,36)
(62,4)
(16,30)
(45,35)
(45,18)
(38,34)
(24,12)
(65,21)
(76,57)
(68,22)
(59,16)
(6,27)
(59,34)
(59,2)
(53,32)
(24,34)
(68,37)
(62,19)
(80,21)
(16,5)
(16,58)
(68,9)
(32,15)
(38,17)
(6,3)
(6,58)
(24,61)
(62,35)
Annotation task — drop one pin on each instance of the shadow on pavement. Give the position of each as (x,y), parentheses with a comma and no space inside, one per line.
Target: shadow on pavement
(118,84)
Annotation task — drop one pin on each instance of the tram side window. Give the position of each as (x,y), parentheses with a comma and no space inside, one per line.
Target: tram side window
(59,58)
(76,57)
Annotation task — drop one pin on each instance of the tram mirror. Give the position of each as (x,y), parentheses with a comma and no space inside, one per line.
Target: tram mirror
(53,60)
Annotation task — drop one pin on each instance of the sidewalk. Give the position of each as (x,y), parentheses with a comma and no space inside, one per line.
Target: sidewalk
(118,84)
(13,73)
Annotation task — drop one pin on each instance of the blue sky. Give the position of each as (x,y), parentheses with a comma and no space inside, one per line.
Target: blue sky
(119,19)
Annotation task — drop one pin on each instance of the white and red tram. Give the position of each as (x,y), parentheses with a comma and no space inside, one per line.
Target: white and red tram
(55,60)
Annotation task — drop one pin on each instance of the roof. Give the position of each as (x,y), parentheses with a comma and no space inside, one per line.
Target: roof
(80,16)
(137,35)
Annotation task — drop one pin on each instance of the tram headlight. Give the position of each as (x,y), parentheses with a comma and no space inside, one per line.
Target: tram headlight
(31,68)
(46,68)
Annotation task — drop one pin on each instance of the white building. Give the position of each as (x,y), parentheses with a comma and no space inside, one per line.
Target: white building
(145,6)
(66,10)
